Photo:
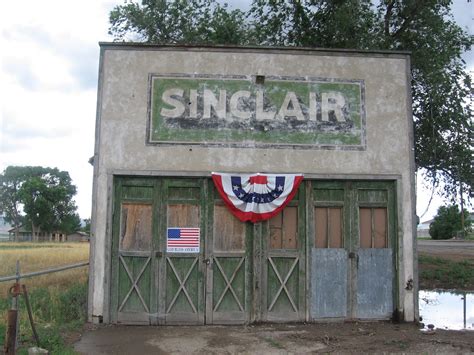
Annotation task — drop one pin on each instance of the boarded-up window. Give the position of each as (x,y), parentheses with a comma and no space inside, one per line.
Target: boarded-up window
(229,232)
(328,227)
(136,227)
(183,215)
(373,227)
(284,229)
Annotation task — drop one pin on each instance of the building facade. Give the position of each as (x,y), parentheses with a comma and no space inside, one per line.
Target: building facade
(168,116)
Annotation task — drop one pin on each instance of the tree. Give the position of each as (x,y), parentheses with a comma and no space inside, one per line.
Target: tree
(440,84)
(70,223)
(447,222)
(10,183)
(41,196)
(179,21)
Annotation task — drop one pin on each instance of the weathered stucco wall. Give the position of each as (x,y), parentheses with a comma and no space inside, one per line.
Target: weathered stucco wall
(122,118)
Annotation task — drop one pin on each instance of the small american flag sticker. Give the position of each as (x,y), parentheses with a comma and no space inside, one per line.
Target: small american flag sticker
(183,240)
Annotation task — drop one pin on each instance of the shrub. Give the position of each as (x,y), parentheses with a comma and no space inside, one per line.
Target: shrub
(447,222)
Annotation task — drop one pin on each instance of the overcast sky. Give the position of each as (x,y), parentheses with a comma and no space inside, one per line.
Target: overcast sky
(48,84)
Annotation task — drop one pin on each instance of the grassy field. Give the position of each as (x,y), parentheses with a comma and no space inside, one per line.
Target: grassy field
(34,257)
(58,300)
(442,273)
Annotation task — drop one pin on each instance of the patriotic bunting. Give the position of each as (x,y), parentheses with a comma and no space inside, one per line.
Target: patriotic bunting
(256,197)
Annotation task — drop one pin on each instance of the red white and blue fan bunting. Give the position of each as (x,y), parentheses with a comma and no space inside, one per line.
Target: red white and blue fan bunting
(256,197)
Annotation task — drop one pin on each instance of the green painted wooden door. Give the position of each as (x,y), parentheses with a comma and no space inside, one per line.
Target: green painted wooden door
(374,245)
(329,245)
(229,260)
(282,264)
(182,275)
(352,242)
(155,284)
(134,267)
(241,272)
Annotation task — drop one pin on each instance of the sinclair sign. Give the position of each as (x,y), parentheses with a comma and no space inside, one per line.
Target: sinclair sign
(250,111)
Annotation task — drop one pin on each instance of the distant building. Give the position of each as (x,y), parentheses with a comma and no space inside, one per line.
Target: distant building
(26,235)
(423,229)
(77,236)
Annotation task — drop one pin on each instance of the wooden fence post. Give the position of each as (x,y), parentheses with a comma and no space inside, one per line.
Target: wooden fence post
(10,339)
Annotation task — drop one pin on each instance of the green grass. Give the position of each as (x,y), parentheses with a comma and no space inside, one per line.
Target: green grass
(55,312)
(445,274)
(426,259)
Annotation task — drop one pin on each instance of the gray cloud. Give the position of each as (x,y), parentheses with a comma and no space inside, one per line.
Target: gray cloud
(22,72)
(14,130)
(9,145)
(28,33)
(82,58)
(463,13)
(16,139)
(84,63)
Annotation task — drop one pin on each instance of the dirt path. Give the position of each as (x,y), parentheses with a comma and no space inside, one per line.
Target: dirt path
(379,337)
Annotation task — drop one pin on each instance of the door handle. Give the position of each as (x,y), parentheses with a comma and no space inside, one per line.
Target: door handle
(353,255)
(207,261)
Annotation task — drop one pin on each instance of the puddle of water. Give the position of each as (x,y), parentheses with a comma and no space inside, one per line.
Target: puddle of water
(447,310)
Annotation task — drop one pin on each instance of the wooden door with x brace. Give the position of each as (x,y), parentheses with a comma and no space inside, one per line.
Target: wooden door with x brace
(209,283)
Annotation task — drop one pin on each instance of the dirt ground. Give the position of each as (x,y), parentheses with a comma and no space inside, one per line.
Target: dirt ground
(354,338)
(454,250)
(344,337)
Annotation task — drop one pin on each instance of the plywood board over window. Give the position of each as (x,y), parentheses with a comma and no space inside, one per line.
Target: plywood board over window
(136,227)
(328,227)
(373,227)
(183,215)
(284,229)
(229,232)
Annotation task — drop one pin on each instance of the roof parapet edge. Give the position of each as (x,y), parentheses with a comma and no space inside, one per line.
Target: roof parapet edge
(200,47)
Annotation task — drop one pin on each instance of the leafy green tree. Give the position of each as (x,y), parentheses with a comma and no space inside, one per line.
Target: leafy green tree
(448,222)
(42,196)
(70,223)
(440,83)
(11,181)
(179,21)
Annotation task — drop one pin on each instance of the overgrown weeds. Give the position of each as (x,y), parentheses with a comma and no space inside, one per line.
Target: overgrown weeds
(58,301)
(55,311)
